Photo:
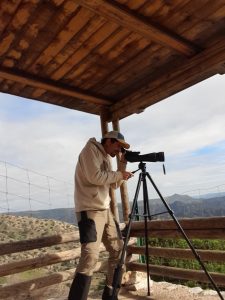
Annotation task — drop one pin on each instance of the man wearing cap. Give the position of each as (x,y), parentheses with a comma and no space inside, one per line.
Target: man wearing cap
(93,179)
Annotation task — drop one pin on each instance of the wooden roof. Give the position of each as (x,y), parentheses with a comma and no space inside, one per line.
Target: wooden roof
(120,56)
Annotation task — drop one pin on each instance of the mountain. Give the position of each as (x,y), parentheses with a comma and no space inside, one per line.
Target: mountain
(183,206)
(210,195)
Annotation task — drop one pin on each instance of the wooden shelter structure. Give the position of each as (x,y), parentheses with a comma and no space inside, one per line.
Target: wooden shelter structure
(109,58)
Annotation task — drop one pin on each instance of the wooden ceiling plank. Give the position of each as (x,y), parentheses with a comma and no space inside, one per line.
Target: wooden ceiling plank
(218,14)
(74,44)
(134,65)
(78,55)
(26,36)
(187,19)
(45,16)
(6,85)
(134,4)
(98,72)
(221,69)
(25,43)
(93,42)
(58,2)
(182,15)
(47,21)
(7,9)
(127,70)
(90,63)
(159,13)
(92,26)
(152,7)
(195,70)
(120,88)
(19,19)
(105,64)
(203,20)
(97,59)
(15,30)
(122,1)
(62,38)
(53,87)
(121,16)
(111,60)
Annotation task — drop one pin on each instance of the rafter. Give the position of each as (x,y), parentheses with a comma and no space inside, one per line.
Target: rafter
(49,86)
(117,13)
(200,67)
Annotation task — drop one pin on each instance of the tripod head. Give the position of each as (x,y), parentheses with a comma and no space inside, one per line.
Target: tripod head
(142,167)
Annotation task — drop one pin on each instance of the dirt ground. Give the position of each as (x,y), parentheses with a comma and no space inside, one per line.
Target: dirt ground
(136,289)
(159,291)
(165,291)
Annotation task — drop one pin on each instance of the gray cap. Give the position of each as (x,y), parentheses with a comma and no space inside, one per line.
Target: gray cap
(118,136)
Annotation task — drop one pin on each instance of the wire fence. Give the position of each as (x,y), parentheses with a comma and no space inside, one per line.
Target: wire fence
(25,190)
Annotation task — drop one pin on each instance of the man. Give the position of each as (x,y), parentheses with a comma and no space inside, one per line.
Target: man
(93,179)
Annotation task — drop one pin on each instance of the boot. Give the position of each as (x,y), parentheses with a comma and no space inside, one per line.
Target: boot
(107,294)
(80,287)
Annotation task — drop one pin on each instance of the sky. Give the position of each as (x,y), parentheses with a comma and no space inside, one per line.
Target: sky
(188,127)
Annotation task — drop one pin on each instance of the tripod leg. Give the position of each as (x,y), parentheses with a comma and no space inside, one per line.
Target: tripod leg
(186,238)
(118,271)
(146,217)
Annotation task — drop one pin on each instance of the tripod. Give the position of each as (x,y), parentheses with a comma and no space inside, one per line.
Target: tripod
(118,271)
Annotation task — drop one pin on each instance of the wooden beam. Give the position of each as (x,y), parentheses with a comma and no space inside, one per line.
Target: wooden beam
(221,69)
(50,86)
(139,24)
(203,228)
(177,273)
(123,188)
(170,253)
(196,69)
(188,223)
(104,116)
(25,245)
(28,286)
(37,262)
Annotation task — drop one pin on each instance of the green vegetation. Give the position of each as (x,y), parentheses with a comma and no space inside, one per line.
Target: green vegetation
(185,263)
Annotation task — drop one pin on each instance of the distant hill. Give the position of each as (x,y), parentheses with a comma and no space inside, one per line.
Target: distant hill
(60,214)
(210,195)
(183,206)
(16,228)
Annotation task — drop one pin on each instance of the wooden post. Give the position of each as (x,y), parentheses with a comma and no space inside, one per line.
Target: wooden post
(104,116)
(123,187)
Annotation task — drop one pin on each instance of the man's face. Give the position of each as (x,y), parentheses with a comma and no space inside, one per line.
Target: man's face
(112,148)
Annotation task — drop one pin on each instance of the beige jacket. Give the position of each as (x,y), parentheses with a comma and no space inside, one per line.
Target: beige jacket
(94,177)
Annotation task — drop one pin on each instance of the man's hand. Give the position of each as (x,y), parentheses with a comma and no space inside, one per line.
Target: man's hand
(127,175)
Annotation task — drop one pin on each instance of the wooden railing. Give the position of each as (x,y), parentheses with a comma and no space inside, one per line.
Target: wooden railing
(209,228)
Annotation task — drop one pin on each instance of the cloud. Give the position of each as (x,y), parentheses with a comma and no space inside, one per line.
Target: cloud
(184,127)
(186,121)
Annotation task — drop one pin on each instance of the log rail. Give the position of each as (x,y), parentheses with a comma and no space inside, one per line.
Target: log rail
(207,228)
